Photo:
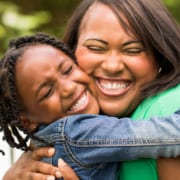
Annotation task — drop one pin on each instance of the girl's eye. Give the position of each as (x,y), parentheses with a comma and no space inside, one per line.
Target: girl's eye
(46,93)
(67,70)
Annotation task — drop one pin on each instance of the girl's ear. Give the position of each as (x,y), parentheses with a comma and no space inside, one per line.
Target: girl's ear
(28,124)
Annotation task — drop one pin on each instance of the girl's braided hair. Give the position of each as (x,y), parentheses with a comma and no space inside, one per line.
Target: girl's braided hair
(9,107)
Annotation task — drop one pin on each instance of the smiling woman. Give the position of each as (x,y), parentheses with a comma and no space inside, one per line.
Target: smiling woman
(149,69)
(117,59)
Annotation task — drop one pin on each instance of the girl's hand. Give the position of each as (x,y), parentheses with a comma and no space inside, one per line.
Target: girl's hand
(29,166)
(67,171)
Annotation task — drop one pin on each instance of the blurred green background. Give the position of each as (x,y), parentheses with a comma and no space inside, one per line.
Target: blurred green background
(18,17)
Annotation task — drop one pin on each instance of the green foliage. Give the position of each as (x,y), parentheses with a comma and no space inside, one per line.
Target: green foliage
(174,7)
(18,17)
(13,23)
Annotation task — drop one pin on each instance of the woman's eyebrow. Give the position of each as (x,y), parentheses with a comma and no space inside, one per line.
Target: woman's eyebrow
(99,40)
(132,42)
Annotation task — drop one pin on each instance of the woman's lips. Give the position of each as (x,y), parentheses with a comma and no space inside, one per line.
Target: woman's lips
(113,87)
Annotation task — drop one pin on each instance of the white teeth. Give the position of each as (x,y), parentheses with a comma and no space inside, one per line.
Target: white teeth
(113,85)
(79,103)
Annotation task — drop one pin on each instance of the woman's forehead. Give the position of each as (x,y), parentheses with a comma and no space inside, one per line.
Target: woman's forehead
(99,12)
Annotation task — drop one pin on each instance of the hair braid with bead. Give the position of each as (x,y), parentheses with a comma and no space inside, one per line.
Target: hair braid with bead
(9,107)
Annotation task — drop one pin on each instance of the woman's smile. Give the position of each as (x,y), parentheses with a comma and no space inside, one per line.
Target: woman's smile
(113,87)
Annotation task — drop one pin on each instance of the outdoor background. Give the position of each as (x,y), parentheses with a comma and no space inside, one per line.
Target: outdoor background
(18,17)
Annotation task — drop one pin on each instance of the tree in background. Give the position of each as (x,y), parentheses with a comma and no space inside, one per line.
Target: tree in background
(19,17)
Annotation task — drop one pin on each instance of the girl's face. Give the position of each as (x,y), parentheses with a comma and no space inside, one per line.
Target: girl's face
(51,86)
(118,61)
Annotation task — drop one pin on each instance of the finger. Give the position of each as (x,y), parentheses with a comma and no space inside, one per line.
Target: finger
(46,169)
(37,154)
(32,158)
(26,168)
(67,171)
(37,176)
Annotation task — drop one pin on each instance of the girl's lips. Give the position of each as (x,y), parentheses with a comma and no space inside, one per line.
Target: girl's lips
(111,87)
(80,104)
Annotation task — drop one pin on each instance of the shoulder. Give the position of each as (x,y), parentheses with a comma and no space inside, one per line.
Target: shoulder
(164,103)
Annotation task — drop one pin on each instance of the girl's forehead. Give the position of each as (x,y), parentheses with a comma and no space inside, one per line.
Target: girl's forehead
(43,51)
(41,56)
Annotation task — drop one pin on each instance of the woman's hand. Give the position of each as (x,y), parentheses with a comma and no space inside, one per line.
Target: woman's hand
(29,166)
(66,171)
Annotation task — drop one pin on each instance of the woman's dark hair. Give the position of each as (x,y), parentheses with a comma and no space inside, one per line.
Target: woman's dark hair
(9,105)
(149,21)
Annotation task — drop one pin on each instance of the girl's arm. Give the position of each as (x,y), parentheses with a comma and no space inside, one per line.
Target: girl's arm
(122,139)
(29,166)
(95,139)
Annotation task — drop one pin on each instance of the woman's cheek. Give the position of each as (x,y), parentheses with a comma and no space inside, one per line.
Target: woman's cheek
(89,60)
(84,60)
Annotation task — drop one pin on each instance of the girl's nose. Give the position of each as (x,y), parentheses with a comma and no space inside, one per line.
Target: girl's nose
(113,64)
(68,88)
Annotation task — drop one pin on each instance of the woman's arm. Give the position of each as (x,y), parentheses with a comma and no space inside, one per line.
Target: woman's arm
(29,166)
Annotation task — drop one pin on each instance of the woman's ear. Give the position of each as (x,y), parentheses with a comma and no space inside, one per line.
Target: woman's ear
(28,124)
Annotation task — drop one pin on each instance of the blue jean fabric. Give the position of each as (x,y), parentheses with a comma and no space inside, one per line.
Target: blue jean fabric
(93,145)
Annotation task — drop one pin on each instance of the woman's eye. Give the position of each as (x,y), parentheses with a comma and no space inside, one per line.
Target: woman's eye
(96,48)
(133,51)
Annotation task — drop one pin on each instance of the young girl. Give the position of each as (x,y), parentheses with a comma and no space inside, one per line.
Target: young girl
(40,83)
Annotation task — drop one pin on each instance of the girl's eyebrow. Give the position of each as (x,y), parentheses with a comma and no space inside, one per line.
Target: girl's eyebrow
(99,40)
(43,84)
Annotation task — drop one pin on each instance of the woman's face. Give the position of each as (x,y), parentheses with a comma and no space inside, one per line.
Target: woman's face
(118,61)
(51,86)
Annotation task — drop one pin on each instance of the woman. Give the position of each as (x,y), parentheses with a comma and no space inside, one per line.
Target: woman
(115,60)
(128,49)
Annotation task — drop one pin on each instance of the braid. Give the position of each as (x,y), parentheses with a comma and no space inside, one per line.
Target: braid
(9,113)
(9,108)
(41,38)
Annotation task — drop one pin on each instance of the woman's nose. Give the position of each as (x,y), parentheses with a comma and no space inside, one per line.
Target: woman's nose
(113,64)
(68,88)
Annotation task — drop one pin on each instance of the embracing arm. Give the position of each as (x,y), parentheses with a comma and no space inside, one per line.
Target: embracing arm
(29,166)
(123,138)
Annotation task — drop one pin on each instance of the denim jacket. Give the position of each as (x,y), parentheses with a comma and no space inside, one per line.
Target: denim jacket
(93,145)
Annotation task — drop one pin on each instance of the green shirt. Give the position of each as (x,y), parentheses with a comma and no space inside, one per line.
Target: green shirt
(162,104)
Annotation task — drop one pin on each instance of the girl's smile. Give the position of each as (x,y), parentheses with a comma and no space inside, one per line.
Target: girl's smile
(53,88)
